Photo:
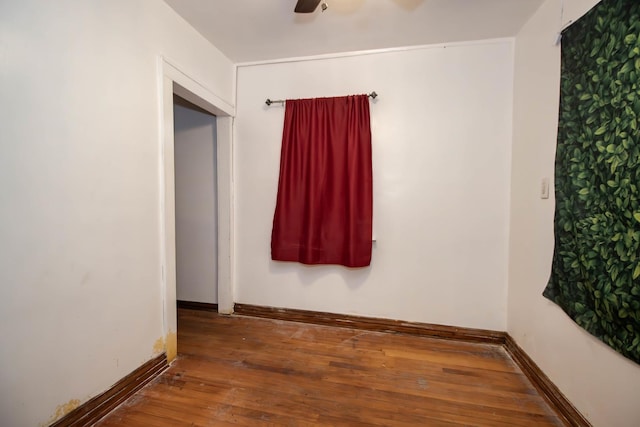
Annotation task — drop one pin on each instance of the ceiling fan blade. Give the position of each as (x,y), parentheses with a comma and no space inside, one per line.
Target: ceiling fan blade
(306,6)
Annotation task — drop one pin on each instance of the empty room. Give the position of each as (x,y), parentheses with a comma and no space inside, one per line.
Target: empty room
(299,212)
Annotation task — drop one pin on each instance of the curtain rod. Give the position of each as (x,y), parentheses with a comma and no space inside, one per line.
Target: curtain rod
(372,95)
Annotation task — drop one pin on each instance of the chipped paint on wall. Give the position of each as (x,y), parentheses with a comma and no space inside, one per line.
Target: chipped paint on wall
(171,346)
(158,346)
(62,410)
(168,345)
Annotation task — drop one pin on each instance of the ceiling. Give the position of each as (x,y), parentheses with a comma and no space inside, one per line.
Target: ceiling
(258,30)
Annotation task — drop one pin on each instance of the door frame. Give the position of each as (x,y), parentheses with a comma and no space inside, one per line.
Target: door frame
(174,80)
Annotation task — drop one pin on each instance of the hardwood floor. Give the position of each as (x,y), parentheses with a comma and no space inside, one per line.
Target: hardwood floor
(235,370)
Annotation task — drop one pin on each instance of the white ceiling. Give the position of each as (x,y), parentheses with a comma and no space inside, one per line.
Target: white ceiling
(256,30)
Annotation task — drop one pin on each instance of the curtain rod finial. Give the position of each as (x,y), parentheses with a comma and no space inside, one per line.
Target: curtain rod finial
(373,95)
(268,102)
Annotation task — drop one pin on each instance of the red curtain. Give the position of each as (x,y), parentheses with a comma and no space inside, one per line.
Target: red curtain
(324,206)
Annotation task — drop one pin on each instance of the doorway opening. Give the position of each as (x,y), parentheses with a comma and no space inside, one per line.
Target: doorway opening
(196,205)
(175,81)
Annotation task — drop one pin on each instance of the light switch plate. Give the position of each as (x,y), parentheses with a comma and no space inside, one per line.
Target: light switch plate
(544,188)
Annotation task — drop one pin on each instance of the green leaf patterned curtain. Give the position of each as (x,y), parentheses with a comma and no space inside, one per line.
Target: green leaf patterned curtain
(595,275)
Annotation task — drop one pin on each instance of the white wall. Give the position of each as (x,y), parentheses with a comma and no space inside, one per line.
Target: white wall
(196,205)
(603,385)
(441,143)
(80,301)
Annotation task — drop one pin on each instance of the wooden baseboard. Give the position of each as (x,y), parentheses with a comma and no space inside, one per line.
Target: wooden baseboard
(373,324)
(192,305)
(93,410)
(565,409)
(562,406)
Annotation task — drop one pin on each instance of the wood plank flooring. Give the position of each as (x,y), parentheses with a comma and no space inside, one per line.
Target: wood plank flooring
(244,371)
